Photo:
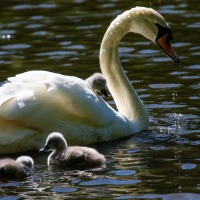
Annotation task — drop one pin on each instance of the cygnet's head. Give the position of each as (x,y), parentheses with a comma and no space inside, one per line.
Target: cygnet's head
(55,141)
(27,161)
(98,83)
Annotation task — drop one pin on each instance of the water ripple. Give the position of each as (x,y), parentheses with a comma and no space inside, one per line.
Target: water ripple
(108,181)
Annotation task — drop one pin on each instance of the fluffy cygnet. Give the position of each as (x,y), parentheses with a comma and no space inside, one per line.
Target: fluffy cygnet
(98,83)
(70,156)
(22,167)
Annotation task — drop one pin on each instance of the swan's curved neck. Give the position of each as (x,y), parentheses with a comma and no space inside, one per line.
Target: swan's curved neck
(127,101)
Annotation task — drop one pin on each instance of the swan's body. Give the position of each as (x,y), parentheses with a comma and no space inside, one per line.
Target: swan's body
(22,167)
(35,103)
(74,156)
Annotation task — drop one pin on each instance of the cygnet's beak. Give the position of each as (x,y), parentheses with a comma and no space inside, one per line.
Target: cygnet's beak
(44,149)
(165,45)
(104,92)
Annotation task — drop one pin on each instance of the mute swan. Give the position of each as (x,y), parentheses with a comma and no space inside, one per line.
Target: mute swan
(35,103)
(74,156)
(98,83)
(22,167)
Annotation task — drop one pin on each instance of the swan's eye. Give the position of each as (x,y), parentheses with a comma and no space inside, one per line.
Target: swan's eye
(162,31)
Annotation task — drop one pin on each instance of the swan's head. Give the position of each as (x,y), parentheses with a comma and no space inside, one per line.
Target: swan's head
(153,26)
(98,83)
(54,141)
(27,162)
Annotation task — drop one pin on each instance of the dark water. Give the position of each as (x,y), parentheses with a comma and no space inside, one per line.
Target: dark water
(163,163)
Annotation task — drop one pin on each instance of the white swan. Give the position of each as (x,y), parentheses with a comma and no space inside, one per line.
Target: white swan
(71,156)
(35,103)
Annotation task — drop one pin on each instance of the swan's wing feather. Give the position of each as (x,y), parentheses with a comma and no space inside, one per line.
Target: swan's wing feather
(50,97)
(31,76)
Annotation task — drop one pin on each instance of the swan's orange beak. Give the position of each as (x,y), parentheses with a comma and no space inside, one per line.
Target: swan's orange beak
(165,45)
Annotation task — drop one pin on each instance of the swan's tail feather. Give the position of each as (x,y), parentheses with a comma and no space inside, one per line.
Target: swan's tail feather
(16,137)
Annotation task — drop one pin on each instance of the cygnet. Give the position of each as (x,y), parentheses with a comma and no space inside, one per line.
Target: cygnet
(71,156)
(98,83)
(22,167)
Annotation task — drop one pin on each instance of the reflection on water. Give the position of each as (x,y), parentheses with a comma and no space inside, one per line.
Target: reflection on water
(65,37)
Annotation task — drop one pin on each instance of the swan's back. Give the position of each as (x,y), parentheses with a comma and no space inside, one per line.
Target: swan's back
(68,95)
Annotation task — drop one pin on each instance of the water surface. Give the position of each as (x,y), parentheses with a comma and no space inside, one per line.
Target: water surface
(64,37)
